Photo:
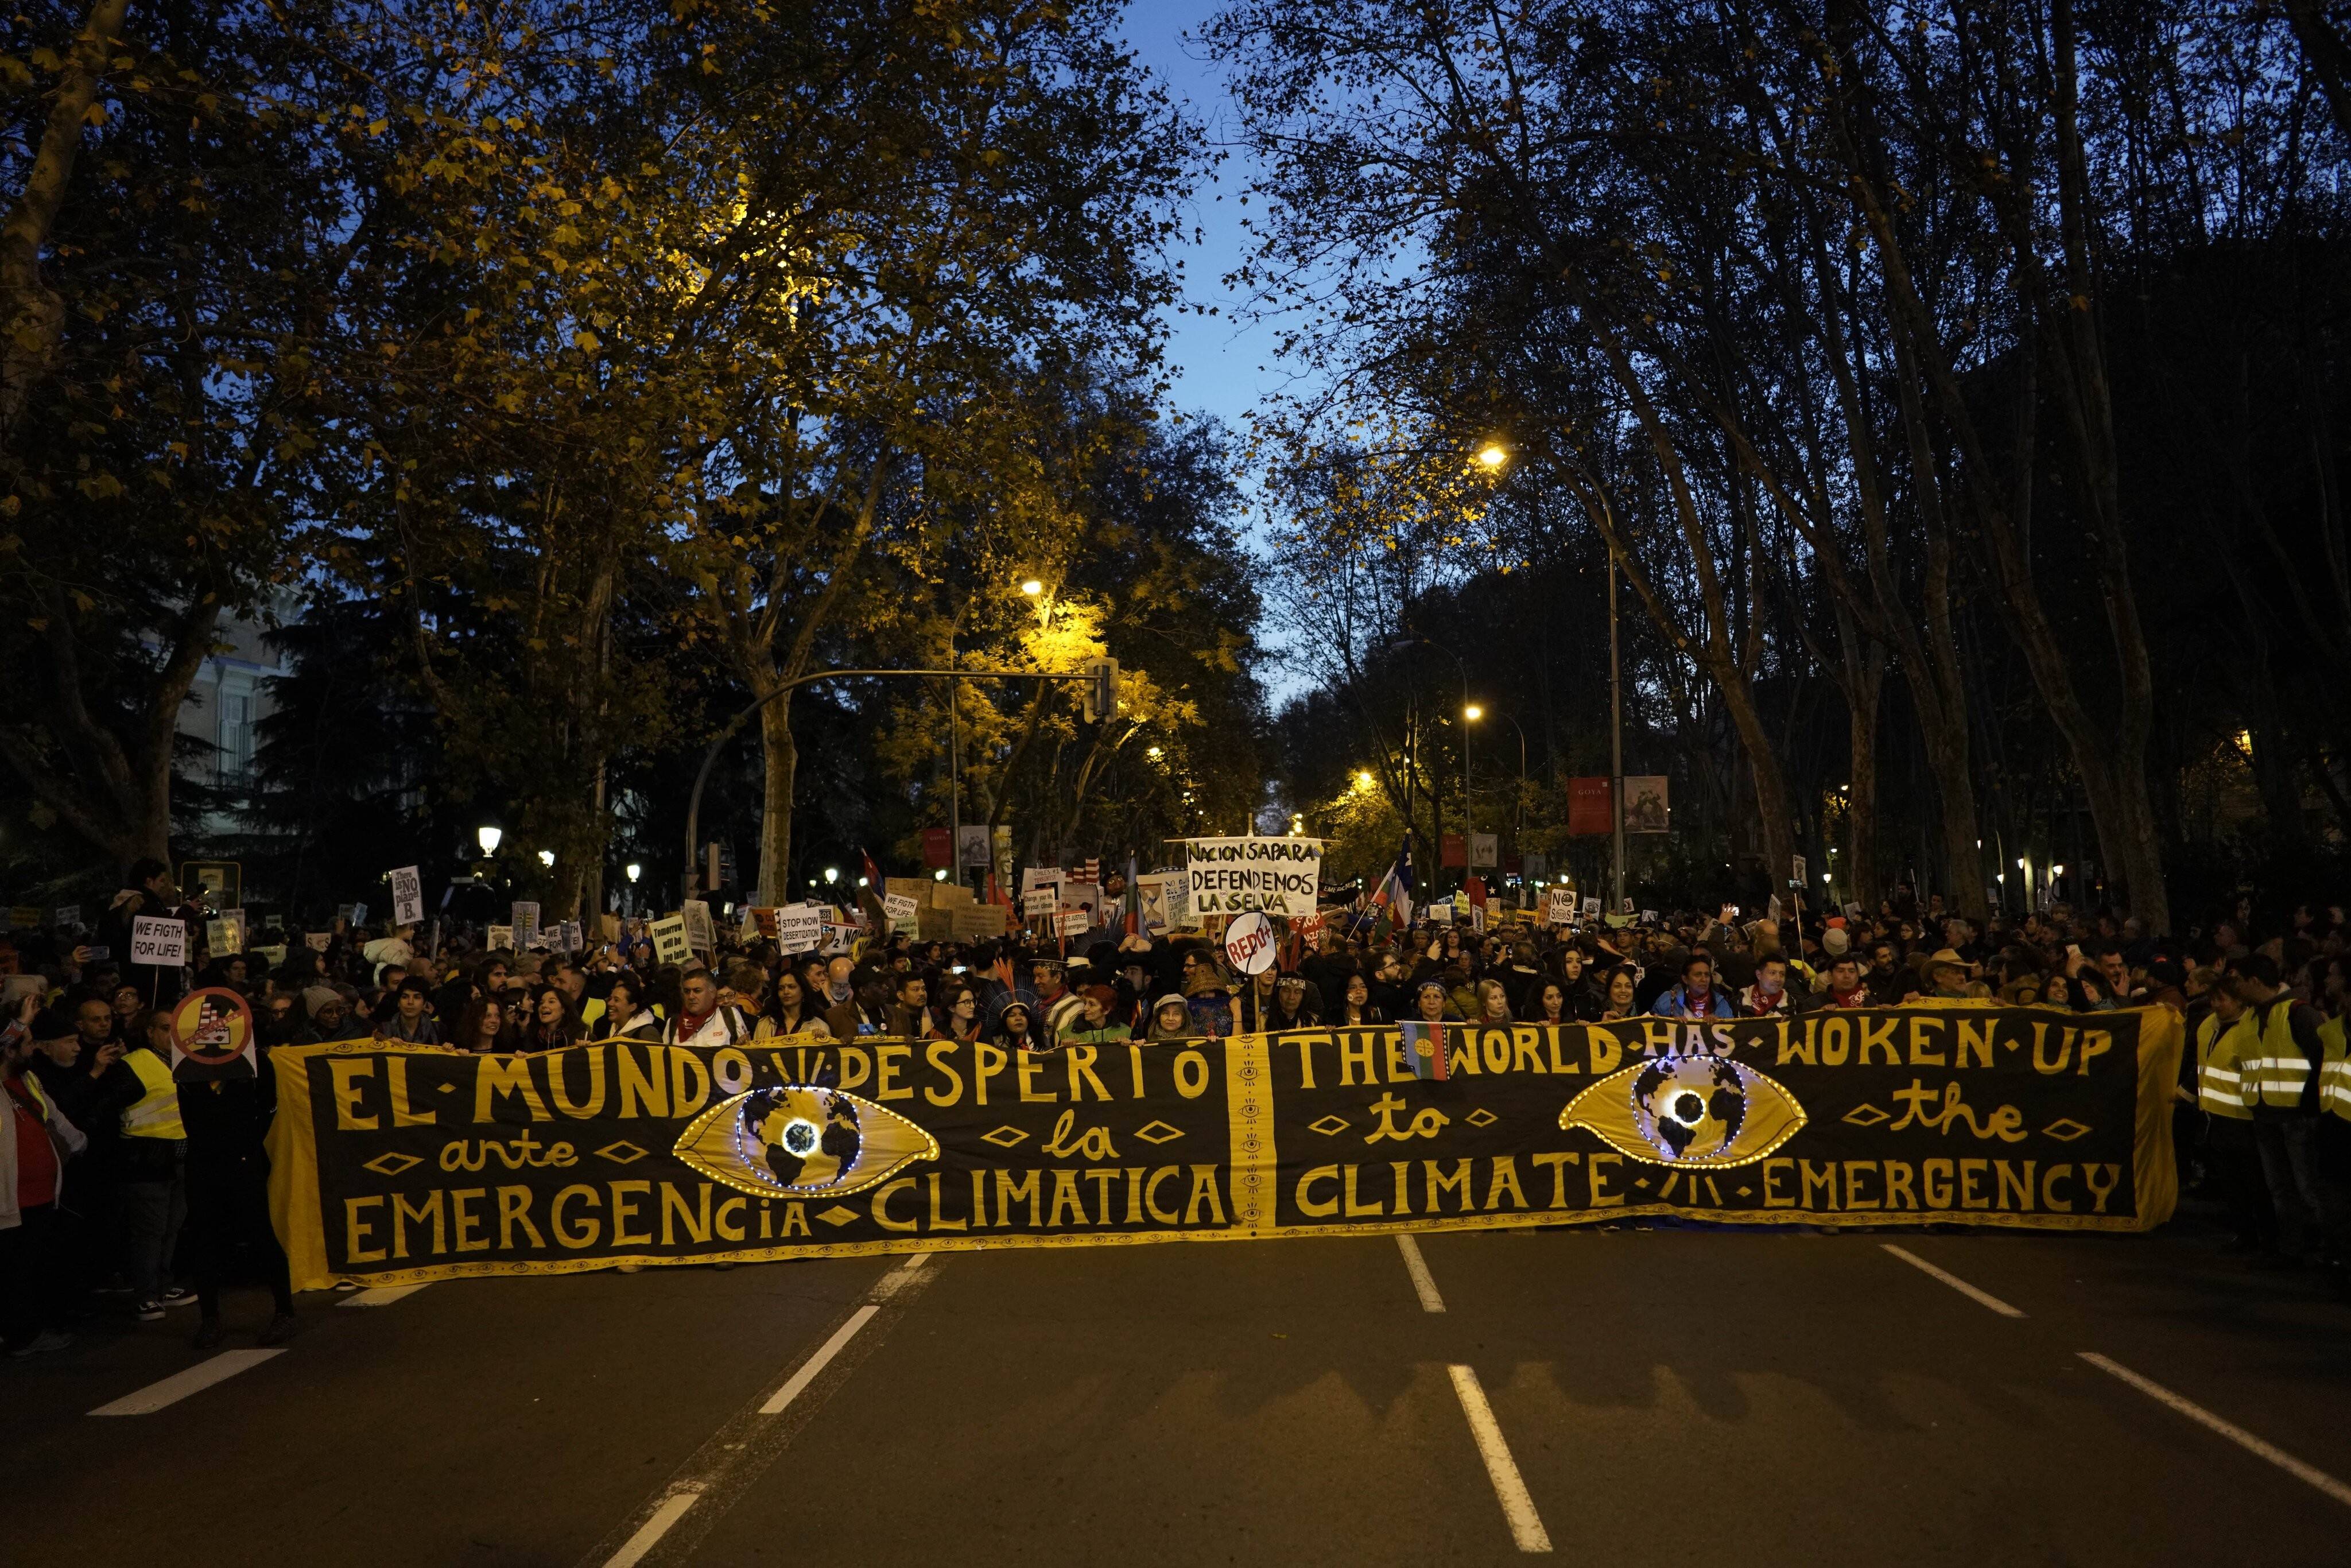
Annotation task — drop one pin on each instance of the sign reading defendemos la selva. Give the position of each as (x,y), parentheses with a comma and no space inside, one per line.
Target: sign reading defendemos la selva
(1238,876)
(395,1164)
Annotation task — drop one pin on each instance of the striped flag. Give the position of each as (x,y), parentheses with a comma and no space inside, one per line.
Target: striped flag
(1394,892)
(1086,871)
(1424,1050)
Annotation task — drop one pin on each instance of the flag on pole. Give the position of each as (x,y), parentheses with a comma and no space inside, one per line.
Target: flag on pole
(872,873)
(1394,890)
(1424,1050)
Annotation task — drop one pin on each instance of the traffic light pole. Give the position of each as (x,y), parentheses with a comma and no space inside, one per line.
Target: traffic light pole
(1103,685)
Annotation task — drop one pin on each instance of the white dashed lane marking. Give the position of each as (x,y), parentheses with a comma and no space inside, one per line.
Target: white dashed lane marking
(1983,1298)
(180,1384)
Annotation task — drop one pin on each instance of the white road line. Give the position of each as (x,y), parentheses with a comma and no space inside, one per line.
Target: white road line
(816,1364)
(1984,1298)
(2235,1434)
(1423,1281)
(382,1296)
(180,1384)
(1526,1526)
(673,1509)
(888,1284)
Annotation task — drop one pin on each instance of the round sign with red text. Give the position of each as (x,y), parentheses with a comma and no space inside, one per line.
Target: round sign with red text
(1250,943)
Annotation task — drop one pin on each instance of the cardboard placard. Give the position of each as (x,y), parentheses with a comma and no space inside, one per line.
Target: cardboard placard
(670,944)
(980,923)
(499,939)
(526,926)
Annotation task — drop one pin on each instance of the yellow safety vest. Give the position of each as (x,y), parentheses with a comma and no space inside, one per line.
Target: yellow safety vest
(2276,1072)
(157,1114)
(2335,1072)
(2219,1048)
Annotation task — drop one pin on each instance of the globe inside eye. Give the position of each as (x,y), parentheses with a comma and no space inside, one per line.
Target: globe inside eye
(1688,1110)
(800,1137)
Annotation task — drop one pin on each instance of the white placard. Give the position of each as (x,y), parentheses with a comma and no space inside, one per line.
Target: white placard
(1591,906)
(799,927)
(1041,902)
(1250,944)
(1648,917)
(500,938)
(318,941)
(526,926)
(1441,913)
(700,934)
(68,916)
(1235,876)
(1072,920)
(1796,877)
(407,897)
(157,942)
(1485,851)
(223,937)
(1559,907)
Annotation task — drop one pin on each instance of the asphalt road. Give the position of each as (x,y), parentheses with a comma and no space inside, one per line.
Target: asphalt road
(1626,1398)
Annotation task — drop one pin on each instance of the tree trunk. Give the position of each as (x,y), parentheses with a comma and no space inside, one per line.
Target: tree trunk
(782,759)
(1865,689)
(32,316)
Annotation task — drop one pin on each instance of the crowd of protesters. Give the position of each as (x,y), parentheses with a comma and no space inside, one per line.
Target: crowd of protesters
(123,1191)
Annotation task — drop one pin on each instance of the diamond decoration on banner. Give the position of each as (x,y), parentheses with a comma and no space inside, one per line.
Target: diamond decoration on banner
(1329,1126)
(1641,1182)
(624,1153)
(1866,1117)
(1158,1133)
(391,1165)
(1003,1137)
(2065,1130)
(1481,1117)
(836,1215)
(1747,1192)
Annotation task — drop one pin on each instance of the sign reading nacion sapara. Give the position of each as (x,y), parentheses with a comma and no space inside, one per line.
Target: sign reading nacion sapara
(1236,876)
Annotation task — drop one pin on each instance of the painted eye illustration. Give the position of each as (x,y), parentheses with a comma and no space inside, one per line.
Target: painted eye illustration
(1693,1110)
(801,1142)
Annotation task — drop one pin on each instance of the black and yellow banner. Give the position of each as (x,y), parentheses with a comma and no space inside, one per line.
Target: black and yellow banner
(398,1163)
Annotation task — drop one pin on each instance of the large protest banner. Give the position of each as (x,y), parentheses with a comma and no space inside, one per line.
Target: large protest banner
(1236,876)
(396,1163)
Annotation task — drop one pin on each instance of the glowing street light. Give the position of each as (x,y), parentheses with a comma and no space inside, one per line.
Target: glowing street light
(634,871)
(1155,754)
(1493,456)
(1363,780)
(1033,587)
(831,874)
(487,837)
(547,859)
(1473,713)
(940,874)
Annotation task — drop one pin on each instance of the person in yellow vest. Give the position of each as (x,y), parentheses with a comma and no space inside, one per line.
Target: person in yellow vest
(153,1195)
(2280,1072)
(2223,1037)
